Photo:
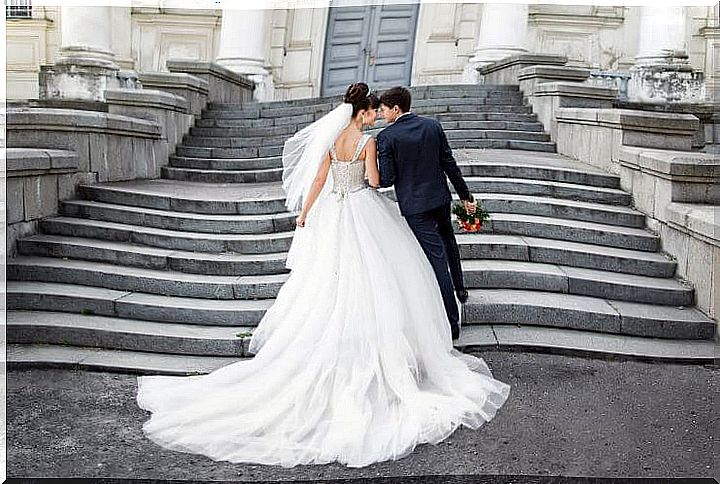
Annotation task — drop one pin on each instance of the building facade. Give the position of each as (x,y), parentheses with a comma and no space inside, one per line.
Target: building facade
(303,52)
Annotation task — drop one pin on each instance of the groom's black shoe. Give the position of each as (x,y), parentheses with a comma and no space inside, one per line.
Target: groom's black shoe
(462,295)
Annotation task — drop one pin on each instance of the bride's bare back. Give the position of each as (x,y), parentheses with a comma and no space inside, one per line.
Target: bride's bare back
(346,144)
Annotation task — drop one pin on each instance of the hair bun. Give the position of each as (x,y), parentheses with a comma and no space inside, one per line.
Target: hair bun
(356,92)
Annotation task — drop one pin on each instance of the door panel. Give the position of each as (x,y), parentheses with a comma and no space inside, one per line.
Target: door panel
(373,44)
(345,48)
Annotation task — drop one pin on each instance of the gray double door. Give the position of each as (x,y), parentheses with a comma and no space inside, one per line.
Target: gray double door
(372,44)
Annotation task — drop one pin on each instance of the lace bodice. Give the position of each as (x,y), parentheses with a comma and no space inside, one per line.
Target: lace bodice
(348,176)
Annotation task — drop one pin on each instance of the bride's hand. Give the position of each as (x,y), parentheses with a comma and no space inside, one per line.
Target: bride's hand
(300,221)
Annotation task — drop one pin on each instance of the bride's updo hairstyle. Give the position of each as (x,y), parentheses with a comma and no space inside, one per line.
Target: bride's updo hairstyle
(361,98)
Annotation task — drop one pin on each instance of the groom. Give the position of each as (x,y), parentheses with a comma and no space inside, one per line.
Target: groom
(414,155)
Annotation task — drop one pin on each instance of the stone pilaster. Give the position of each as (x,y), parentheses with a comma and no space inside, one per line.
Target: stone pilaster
(86,65)
(662,72)
(502,33)
(244,48)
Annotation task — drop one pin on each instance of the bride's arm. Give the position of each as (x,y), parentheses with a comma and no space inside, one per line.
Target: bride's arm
(371,167)
(315,190)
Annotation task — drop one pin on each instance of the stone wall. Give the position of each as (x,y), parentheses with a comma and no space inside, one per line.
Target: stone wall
(656,151)
(55,145)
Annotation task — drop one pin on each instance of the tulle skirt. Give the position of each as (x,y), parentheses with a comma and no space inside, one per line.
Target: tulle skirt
(354,361)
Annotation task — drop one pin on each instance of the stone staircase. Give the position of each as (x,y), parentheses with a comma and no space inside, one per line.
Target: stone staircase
(171,275)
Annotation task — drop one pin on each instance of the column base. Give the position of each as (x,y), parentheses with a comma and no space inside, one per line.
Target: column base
(486,57)
(666,80)
(79,74)
(256,72)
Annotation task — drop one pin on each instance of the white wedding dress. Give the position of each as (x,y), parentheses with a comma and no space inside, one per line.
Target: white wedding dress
(354,362)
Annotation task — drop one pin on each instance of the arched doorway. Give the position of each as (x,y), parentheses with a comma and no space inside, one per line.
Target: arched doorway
(374,44)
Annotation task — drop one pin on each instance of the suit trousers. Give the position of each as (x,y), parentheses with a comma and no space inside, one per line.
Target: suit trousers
(434,231)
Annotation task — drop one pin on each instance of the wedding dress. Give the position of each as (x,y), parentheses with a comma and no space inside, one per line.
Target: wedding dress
(354,361)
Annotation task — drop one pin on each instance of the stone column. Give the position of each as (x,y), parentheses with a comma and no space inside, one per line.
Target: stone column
(662,71)
(503,31)
(243,47)
(86,64)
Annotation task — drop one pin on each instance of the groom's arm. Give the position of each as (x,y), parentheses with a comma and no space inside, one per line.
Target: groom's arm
(449,166)
(386,161)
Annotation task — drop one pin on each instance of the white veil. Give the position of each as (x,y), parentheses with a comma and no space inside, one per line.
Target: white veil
(305,151)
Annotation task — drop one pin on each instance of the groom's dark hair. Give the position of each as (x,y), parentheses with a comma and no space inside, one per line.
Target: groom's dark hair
(397,96)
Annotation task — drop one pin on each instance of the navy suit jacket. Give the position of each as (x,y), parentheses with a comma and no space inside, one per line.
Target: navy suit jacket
(414,155)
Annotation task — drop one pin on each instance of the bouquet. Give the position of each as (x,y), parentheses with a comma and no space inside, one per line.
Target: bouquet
(470,222)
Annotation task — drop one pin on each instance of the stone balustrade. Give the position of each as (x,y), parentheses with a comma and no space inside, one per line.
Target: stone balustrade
(224,85)
(656,150)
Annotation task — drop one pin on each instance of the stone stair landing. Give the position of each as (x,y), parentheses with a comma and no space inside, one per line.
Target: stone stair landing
(172,275)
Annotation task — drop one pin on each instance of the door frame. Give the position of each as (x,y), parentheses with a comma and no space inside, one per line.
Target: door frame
(371,4)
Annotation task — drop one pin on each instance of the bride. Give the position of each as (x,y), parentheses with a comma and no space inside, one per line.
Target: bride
(354,362)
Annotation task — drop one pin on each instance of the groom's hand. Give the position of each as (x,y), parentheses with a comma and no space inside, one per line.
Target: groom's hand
(470,205)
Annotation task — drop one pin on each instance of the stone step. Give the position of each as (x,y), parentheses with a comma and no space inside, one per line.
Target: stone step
(473,168)
(573,342)
(587,313)
(143,256)
(99,359)
(183,221)
(552,278)
(473,108)
(508,98)
(167,239)
(572,231)
(466,159)
(417,92)
(503,144)
(460,89)
(204,152)
(483,116)
(222,176)
(435,105)
(244,131)
(294,115)
(561,208)
(208,198)
(485,306)
(573,254)
(219,140)
(500,125)
(71,298)
(420,98)
(56,328)
(138,279)
(548,188)
(287,131)
(472,246)
(478,274)
(302,121)
(269,151)
(228,164)
(492,337)
(477,134)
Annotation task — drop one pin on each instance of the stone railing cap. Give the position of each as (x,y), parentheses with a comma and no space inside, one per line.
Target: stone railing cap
(26,159)
(671,162)
(629,118)
(526,58)
(147,98)
(701,219)
(203,67)
(554,71)
(175,79)
(75,119)
(575,89)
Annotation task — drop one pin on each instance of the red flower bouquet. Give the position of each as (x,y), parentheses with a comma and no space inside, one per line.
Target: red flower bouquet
(470,222)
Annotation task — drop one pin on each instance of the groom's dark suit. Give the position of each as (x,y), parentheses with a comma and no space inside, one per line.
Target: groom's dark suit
(414,155)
